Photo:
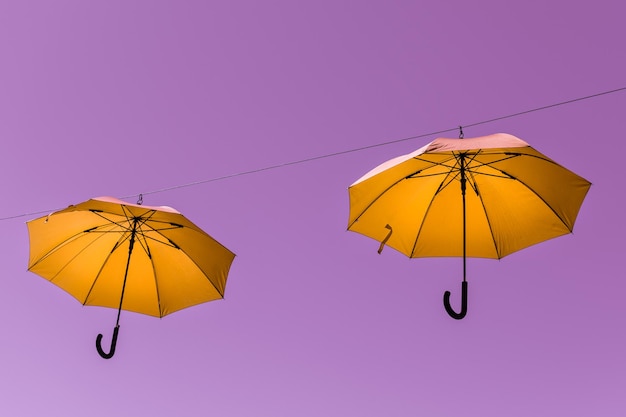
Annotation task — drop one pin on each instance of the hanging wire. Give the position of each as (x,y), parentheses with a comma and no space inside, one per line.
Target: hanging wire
(330,155)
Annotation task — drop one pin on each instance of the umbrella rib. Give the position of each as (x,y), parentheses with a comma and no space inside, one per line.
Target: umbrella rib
(445,184)
(443,163)
(174,245)
(441,186)
(456,168)
(120,224)
(220,292)
(144,218)
(141,234)
(470,177)
(506,175)
(68,241)
(356,219)
(415,175)
(539,196)
(540,157)
(511,155)
(124,236)
(72,258)
(474,185)
(156,286)
(546,203)
(119,242)
(451,168)
(419,232)
(168,243)
(144,245)
(486,174)
(481,164)
(172,224)
(145,221)
(158,231)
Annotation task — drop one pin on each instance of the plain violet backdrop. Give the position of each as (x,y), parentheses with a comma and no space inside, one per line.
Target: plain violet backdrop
(126,97)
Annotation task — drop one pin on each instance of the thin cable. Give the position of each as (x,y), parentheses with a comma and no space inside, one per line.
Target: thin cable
(547,107)
(285,164)
(34,213)
(330,155)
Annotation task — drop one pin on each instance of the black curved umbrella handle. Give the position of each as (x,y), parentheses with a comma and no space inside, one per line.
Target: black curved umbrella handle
(450,310)
(113,343)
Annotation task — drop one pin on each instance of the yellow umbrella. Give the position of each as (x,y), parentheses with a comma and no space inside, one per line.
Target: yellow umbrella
(481,197)
(86,250)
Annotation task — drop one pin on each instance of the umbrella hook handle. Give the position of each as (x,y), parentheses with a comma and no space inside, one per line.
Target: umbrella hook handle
(450,310)
(113,343)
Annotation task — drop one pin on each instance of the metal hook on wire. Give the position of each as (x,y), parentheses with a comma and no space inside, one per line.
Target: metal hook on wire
(140,199)
(461,132)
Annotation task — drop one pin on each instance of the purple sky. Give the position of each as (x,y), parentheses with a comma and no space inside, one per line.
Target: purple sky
(126,97)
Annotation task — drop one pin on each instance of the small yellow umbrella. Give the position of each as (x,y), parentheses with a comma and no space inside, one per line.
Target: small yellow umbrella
(107,252)
(481,197)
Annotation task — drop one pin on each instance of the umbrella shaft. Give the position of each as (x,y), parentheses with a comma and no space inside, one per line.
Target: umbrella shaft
(131,244)
(463,187)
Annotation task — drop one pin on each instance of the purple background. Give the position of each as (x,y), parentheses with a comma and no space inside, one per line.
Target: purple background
(126,97)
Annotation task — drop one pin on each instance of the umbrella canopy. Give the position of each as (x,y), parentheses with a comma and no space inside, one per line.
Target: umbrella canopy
(482,197)
(107,252)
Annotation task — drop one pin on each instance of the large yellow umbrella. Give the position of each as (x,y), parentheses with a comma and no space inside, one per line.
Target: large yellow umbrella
(481,197)
(107,252)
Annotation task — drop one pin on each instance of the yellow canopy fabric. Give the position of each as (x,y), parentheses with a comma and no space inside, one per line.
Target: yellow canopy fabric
(516,197)
(84,249)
